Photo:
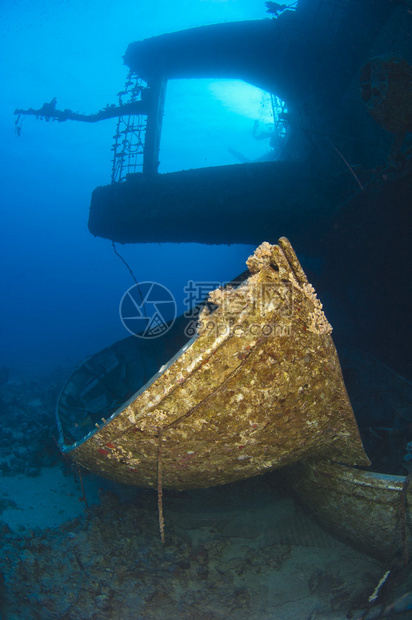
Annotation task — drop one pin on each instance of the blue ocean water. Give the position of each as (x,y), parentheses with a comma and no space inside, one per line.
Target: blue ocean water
(61,287)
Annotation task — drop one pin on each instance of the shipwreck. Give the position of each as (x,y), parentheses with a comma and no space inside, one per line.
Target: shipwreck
(259,386)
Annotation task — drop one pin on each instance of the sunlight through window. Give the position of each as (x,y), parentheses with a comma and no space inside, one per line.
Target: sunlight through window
(220,122)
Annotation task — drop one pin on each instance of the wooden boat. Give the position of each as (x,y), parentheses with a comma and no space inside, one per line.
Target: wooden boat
(371,511)
(258,387)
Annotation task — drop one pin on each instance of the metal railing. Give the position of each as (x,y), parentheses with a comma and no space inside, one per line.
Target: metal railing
(128,146)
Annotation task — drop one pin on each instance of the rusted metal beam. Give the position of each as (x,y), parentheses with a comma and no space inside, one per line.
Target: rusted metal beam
(49,112)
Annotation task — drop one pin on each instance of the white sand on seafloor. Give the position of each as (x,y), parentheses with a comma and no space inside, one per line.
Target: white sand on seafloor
(47,500)
(306,574)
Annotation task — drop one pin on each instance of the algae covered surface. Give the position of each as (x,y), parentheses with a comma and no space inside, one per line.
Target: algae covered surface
(261,387)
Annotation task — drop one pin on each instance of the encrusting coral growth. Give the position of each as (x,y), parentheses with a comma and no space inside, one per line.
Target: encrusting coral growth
(267,255)
(260,388)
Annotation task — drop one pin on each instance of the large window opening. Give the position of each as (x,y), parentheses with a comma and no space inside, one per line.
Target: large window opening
(220,122)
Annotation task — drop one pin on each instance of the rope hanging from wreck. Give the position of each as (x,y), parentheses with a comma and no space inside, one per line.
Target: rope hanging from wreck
(160,491)
(159,452)
(125,263)
(131,273)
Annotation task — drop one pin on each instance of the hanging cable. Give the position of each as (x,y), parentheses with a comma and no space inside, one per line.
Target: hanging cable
(132,274)
(160,490)
(124,262)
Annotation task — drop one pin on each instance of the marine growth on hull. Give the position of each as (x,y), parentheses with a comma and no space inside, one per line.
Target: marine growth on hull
(257,388)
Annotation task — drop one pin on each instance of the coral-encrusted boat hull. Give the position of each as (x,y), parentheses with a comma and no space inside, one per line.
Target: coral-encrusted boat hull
(260,387)
(369,510)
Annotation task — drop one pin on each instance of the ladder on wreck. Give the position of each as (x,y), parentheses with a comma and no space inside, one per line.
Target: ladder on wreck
(137,138)
(129,139)
(139,116)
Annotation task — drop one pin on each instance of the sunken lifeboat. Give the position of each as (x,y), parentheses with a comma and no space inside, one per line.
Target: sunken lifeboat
(257,388)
